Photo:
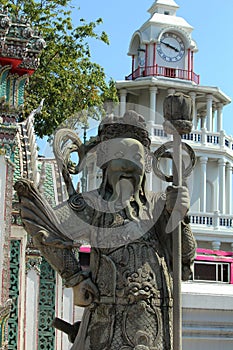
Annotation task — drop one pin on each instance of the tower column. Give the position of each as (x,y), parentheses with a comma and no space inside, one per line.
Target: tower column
(209,112)
(123,95)
(189,65)
(154,55)
(133,63)
(213,120)
(229,188)
(146,58)
(194,112)
(219,116)
(153,92)
(203,120)
(222,184)
(203,161)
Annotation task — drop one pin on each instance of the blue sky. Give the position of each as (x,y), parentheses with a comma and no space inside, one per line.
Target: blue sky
(213,31)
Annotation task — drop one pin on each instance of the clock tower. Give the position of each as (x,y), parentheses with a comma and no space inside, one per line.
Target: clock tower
(162,53)
(163,46)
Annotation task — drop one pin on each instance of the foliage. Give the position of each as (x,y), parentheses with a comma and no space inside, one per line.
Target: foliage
(66,79)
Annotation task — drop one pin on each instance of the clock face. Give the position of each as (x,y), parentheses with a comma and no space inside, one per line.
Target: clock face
(171,47)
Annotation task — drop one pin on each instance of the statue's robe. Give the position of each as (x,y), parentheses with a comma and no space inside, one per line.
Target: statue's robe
(131,265)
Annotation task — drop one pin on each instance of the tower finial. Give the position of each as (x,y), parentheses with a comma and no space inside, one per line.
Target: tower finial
(163,7)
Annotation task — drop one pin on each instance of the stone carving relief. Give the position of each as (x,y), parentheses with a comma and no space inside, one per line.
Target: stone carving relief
(127,291)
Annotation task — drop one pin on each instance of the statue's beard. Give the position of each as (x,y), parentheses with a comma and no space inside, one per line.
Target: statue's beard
(123,189)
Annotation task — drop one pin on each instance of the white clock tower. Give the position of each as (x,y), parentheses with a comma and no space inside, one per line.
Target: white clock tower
(162,52)
(163,45)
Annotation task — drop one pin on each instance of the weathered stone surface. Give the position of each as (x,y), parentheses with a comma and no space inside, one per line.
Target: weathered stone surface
(127,291)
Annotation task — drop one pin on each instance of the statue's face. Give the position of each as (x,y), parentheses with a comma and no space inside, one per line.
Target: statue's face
(126,162)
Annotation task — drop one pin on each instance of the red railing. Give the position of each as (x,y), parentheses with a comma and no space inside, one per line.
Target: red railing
(164,72)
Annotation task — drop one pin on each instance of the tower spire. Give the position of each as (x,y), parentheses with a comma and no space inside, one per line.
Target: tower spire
(164,7)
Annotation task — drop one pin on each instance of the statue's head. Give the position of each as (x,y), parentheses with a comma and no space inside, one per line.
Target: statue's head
(122,143)
(131,125)
(123,154)
(113,130)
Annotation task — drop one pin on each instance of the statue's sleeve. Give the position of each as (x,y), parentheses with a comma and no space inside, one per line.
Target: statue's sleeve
(52,231)
(161,217)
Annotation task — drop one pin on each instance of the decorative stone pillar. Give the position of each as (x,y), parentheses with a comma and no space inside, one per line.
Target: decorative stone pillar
(219,116)
(203,162)
(194,112)
(222,184)
(123,95)
(209,112)
(229,188)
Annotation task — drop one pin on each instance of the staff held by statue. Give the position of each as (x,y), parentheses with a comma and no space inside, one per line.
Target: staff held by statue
(178,121)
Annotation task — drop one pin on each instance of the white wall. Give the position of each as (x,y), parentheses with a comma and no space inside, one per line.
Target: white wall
(31,309)
(207,316)
(68,314)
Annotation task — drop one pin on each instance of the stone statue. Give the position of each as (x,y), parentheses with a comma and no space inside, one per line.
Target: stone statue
(127,292)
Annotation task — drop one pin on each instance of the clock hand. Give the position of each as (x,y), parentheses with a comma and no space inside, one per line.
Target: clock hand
(170,46)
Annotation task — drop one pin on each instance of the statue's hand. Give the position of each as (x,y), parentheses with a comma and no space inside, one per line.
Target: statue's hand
(85,293)
(177,199)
